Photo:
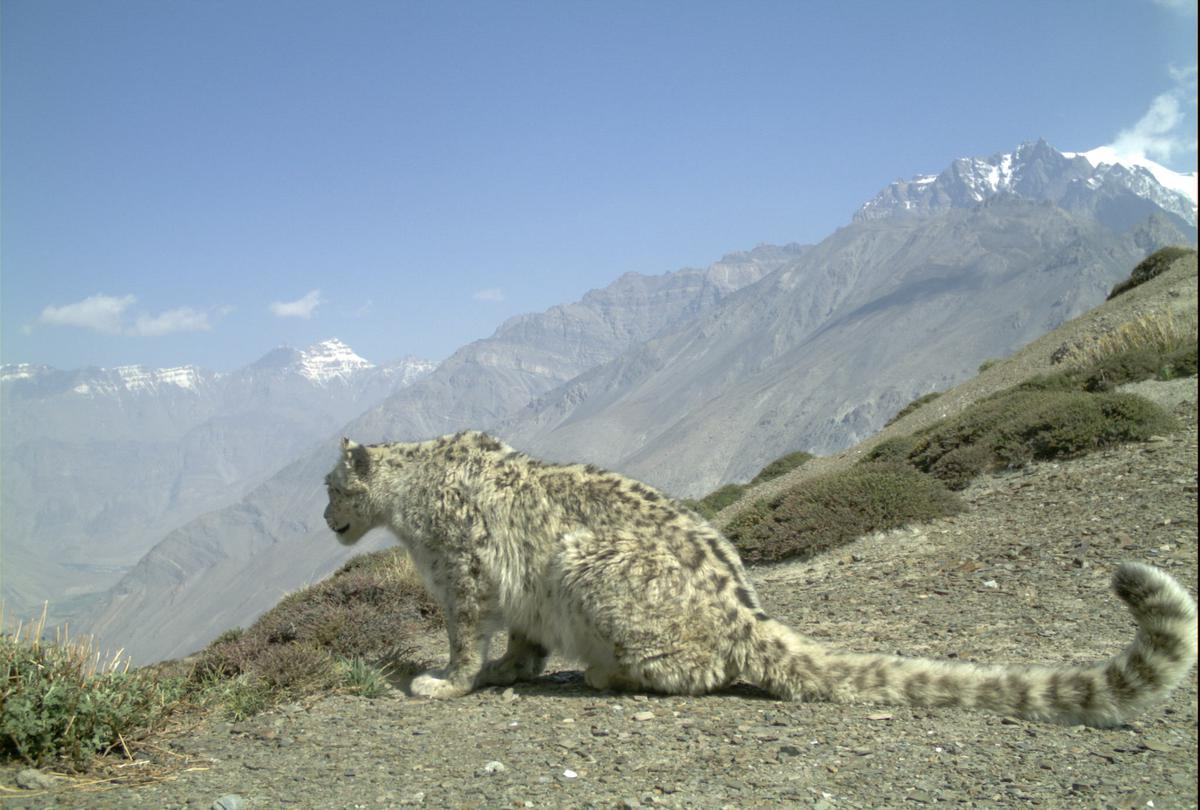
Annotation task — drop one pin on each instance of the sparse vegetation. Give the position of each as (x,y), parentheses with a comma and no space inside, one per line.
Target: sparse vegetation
(1151,266)
(716,500)
(781,466)
(1060,415)
(986,364)
(323,637)
(830,510)
(1025,423)
(919,402)
(363,678)
(62,701)
(1160,345)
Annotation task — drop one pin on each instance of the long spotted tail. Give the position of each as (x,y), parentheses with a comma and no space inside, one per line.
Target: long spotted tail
(1106,694)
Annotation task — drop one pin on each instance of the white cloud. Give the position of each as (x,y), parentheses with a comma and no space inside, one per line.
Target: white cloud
(1156,135)
(108,314)
(490,294)
(1163,132)
(184,319)
(104,313)
(1181,6)
(300,308)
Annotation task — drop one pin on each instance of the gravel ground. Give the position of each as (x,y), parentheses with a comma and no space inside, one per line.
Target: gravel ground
(1021,577)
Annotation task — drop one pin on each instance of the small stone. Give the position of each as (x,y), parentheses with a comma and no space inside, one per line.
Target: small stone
(495,766)
(569,774)
(508,695)
(230,801)
(639,716)
(33,779)
(991,583)
(789,750)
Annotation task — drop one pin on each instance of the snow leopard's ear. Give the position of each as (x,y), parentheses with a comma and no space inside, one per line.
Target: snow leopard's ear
(356,457)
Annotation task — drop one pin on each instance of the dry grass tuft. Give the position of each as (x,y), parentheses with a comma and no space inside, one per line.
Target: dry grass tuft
(63,700)
(1165,332)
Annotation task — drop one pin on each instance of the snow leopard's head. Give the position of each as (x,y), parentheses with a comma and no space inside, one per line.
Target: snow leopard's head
(348,513)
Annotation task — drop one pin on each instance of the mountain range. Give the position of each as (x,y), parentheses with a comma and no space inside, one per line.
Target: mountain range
(698,377)
(99,464)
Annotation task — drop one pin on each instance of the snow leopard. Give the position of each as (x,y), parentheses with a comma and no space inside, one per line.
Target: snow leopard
(651,597)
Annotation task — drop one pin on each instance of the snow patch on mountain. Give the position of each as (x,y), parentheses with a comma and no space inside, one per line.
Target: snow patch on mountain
(330,360)
(12,372)
(1082,182)
(1101,156)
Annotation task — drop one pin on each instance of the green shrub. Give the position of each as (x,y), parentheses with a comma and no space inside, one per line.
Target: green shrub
(363,678)
(781,466)
(920,401)
(716,500)
(296,668)
(59,702)
(830,510)
(1026,423)
(1138,364)
(895,450)
(1151,266)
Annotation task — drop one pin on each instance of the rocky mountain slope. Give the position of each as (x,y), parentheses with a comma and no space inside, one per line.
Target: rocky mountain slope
(98,464)
(907,299)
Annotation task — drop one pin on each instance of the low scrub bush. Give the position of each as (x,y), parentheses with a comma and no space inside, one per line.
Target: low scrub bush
(781,466)
(61,701)
(895,450)
(367,611)
(1031,422)
(919,402)
(830,510)
(1149,267)
(1159,345)
(716,500)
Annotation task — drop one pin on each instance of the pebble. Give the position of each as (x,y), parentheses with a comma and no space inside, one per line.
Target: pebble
(230,801)
(643,716)
(33,779)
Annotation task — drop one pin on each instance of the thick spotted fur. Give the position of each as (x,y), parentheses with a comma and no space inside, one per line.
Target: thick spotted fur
(649,596)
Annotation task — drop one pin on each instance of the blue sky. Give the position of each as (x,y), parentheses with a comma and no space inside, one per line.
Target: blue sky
(198,182)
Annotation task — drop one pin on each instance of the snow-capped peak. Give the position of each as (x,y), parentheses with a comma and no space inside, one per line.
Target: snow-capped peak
(1107,156)
(329,360)
(21,371)
(1099,183)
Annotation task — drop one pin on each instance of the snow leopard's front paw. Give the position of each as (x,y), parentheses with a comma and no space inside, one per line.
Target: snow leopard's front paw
(433,685)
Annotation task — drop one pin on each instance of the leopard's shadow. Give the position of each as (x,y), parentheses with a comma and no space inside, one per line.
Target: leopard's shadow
(567,683)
